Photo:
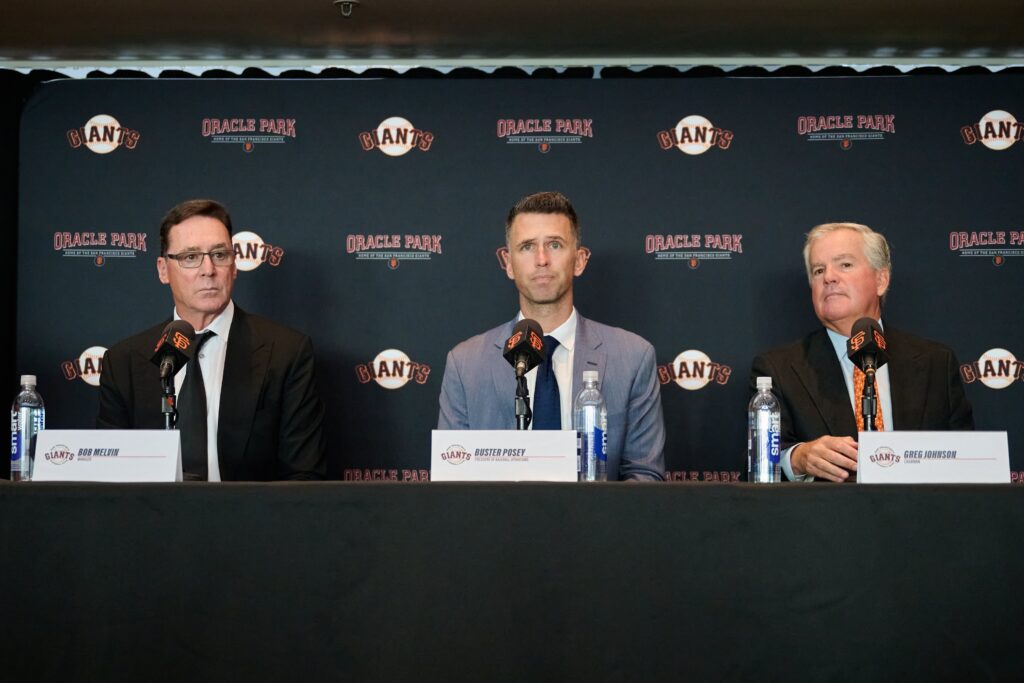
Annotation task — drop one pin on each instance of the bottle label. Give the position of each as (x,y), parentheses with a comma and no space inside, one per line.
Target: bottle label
(15,452)
(579,451)
(600,442)
(774,452)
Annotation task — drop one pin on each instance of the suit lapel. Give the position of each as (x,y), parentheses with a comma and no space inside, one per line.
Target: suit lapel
(245,367)
(822,377)
(504,377)
(908,379)
(588,354)
(146,384)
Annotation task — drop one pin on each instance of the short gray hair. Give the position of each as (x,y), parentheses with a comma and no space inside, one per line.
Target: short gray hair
(876,248)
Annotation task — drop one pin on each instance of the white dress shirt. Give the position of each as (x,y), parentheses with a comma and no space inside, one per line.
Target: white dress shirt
(211,362)
(881,384)
(562,360)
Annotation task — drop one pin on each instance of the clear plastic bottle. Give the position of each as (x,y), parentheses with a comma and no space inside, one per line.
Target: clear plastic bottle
(590,419)
(28,418)
(764,454)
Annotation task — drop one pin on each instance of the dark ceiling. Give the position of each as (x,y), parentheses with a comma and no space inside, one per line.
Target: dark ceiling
(522,31)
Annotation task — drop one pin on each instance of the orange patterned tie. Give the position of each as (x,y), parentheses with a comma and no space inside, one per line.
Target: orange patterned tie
(858,389)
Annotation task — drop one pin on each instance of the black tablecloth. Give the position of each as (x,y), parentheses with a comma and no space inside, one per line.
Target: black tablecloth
(481,582)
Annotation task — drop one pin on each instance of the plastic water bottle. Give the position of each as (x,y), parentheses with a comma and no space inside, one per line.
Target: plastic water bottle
(764,454)
(590,418)
(28,418)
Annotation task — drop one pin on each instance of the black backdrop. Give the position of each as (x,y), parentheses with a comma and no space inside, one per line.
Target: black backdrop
(310,195)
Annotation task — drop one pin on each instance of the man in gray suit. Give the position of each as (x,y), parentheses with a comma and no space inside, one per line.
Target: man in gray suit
(478,391)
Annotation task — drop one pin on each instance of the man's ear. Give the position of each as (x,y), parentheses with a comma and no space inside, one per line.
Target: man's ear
(582,259)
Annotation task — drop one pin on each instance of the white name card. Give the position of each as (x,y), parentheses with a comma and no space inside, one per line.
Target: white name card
(110,455)
(933,458)
(503,455)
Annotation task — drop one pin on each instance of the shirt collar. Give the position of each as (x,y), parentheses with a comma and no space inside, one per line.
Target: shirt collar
(221,325)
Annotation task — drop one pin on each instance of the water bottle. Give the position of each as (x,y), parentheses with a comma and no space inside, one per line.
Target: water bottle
(764,454)
(590,418)
(28,418)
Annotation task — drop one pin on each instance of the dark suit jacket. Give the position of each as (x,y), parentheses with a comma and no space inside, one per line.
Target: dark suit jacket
(271,417)
(924,385)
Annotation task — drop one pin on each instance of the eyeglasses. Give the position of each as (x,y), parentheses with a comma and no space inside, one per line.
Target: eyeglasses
(194,259)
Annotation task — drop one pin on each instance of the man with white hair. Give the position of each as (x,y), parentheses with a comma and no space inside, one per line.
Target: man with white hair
(849,268)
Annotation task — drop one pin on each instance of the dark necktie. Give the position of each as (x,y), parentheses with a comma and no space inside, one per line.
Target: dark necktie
(192,417)
(547,404)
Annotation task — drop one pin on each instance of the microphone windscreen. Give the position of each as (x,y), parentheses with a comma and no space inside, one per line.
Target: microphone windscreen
(176,340)
(867,339)
(526,342)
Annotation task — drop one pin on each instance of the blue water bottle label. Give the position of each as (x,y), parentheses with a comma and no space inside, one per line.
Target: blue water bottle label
(774,452)
(600,444)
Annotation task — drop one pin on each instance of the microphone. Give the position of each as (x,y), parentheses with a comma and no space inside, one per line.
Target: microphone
(866,346)
(174,348)
(524,350)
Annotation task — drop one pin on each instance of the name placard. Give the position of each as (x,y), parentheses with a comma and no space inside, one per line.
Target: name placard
(933,458)
(110,455)
(503,455)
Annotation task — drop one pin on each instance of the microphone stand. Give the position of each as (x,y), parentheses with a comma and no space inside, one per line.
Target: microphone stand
(523,413)
(868,400)
(168,402)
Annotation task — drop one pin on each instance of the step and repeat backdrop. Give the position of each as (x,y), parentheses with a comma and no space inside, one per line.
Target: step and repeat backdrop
(369,214)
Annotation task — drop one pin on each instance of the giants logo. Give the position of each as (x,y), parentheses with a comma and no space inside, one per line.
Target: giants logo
(693,135)
(535,341)
(59,455)
(86,367)
(841,128)
(884,457)
(456,455)
(247,133)
(996,130)
(396,136)
(857,340)
(393,249)
(988,244)
(103,134)
(392,369)
(99,246)
(693,370)
(251,251)
(997,369)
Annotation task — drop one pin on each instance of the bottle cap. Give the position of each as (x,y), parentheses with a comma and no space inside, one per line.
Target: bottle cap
(764,383)
(30,380)
(590,375)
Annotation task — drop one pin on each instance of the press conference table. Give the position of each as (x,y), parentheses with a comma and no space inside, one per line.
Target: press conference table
(484,582)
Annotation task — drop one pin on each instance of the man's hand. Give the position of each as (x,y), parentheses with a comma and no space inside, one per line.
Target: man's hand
(829,457)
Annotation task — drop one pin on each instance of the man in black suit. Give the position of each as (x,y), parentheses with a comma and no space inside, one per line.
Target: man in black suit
(263,415)
(849,268)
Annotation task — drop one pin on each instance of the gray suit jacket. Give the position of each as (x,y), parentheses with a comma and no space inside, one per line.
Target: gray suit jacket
(479,388)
